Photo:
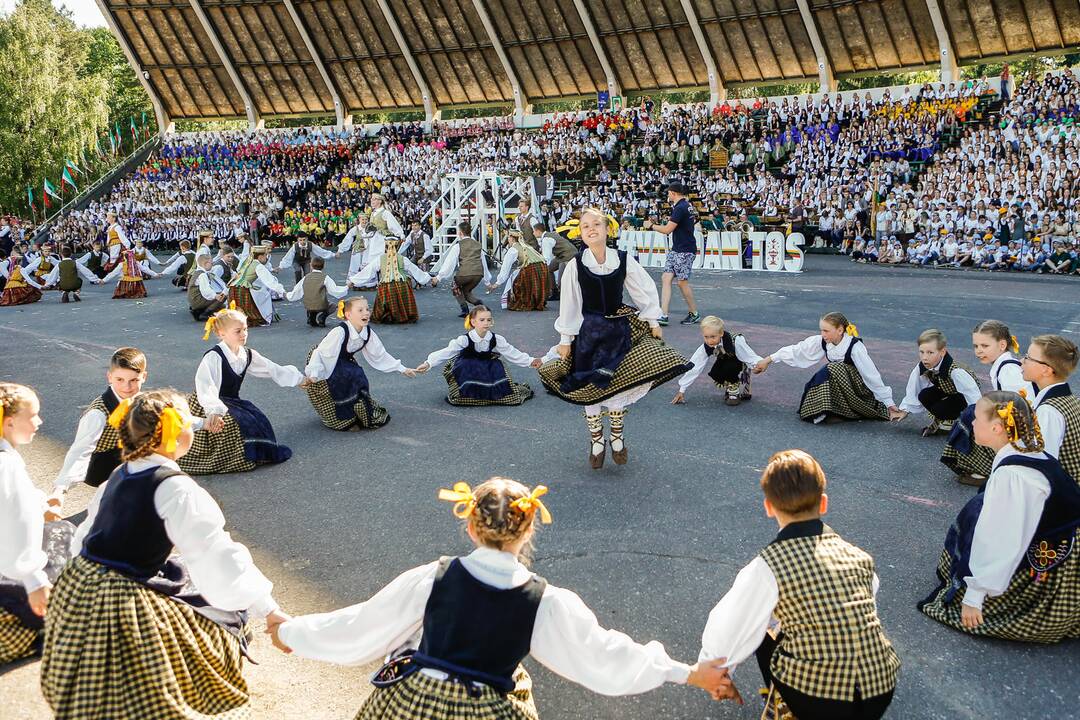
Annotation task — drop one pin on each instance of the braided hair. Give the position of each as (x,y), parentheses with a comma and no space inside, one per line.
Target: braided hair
(998,331)
(496,522)
(140,430)
(1028,435)
(13,398)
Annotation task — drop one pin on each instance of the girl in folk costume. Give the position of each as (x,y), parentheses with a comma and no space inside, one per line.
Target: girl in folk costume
(116,241)
(1049,362)
(849,386)
(395,301)
(994,346)
(525,272)
(1011,564)
(19,289)
(236,435)
(610,354)
(474,370)
(144,256)
(731,371)
(481,615)
(339,389)
(252,287)
(127,636)
(129,276)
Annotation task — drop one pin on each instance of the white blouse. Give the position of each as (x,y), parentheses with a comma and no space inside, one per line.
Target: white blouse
(701,359)
(808,353)
(1051,421)
(369,272)
(917,382)
(22,523)
(1013,502)
(268,280)
(221,568)
(1009,377)
(639,285)
(483,344)
(324,359)
(208,376)
(567,638)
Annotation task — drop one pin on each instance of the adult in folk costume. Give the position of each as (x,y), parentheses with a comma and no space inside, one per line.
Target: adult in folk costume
(395,301)
(300,254)
(524,224)
(252,287)
(116,240)
(383,223)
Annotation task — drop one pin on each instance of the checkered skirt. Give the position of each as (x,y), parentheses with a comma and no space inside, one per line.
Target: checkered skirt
(16,640)
(213,453)
(531,288)
(1046,610)
(519,392)
(419,697)
(246,304)
(369,415)
(838,389)
(649,361)
(395,303)
(20,295)
(129,290)
(116,649)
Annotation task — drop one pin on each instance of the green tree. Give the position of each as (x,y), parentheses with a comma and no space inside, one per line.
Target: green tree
(127,98)
(50,109)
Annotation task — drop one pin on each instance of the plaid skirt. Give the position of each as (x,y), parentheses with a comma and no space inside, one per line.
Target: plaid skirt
(1044,610)
(246,304)
(20,295)
(116,649)
(649,361)
(368,413)
(838,389)
(214,453)
(16,640)
(519,392)
(531,288)
(419,697)
(961,454)
(395,303)
(129,290)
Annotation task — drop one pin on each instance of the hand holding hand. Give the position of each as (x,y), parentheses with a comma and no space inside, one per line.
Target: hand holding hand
(39,600)
(563,350)
(896,414)
(409,372)
(679,399)
(713,678)
(273,625)
(762,365)
(214,423)
(423,367)
(536,363)
(306,381)
(970,617)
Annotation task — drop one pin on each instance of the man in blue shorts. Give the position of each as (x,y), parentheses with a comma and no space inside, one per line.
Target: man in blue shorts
(681,254)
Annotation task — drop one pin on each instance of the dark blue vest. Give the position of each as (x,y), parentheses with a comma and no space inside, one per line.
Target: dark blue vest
(601,294)
(230,380)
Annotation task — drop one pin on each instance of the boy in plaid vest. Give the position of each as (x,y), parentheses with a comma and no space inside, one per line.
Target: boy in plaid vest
(830,658)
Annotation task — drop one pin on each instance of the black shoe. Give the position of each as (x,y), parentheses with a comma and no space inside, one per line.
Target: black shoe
(690,319)
(75,297)
(64,298)
(464,314)
(320,319)
(197,315)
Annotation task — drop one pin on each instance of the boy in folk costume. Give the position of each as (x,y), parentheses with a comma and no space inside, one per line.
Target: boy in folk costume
(19,289)
(356,243)
(129,276)
(66,277)
(182,263)
(44,264)
(395,301)
(525,274)
(558,250)
(300,256)
(466,262)
(734,360)
(1048,363)
(224,264)
(417,246)
(830,658)
(95,260)
(315,289)
(938,385)
(206,292)
(116,240)
(252,285)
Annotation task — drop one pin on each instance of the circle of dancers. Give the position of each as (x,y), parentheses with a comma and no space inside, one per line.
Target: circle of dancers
(143,610)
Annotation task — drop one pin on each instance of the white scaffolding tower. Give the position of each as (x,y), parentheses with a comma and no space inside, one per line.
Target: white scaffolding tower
(483,199)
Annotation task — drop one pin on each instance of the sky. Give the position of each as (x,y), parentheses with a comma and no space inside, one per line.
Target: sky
(85,12)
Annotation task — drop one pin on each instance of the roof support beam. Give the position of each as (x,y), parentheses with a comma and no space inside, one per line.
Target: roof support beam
(430,111)
(254,121)
(949,69)
(521,104)
(717,92)
(825,73)
(598,48)
(341,114)
(164,122)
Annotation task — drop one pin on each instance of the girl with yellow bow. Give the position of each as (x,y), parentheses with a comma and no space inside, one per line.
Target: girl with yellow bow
(22,516)
(848,386)
(149,524)
(481,615)
(1010,563)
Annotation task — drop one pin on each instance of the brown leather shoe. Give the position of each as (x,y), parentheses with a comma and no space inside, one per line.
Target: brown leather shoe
(732,400)
(597,461)
(620,456)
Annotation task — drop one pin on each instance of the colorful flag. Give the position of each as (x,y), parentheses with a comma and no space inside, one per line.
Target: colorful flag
(119,137)
(112,143)
(30,197)
(67,179)
(145,127)
(100,150)
(134,132)
(48,189)
(69,165)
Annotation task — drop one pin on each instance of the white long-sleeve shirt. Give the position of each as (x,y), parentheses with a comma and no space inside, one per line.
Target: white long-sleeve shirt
(22,523)
(315,250)
(1051,421)
(448,264)
(77,459)
(429,251)
(118,271)
(347,242)
(808,353)
(369,272)
(324,359)
(27,275)
(483,344)
(208,375)
(738,623)
(1013,501)
(917,382)
(332,289)
(639,285)
(1009,376)
(268,280)
(54,275)
(210,285)
(701,359)
(567,638)
(509,261)
(221,568)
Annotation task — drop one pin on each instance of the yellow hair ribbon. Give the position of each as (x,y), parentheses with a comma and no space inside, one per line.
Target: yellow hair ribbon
(1014,344)
(852,330)
(341,309)
(171,425)
(468,323)
(212,320)
(532,502)
(462,497)
(1008,416)
(116,417)
(232,304)
(1,421)
(612,226)
(1022,392)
